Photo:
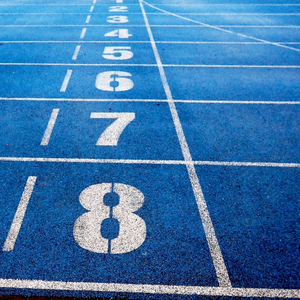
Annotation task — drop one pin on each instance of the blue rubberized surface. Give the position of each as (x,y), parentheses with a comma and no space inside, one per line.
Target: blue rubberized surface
(237,98)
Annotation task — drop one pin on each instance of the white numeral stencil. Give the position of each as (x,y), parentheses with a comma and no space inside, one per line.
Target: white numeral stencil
(117,53)
(112,133)
(114,81)
(132,228)
(117,19)
(118,9)
(120,33)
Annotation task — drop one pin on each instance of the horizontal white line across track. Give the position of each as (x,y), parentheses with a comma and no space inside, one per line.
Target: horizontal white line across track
(183,14)
(152,65)
(148,162)
(156,25)
(145,42)
(247,102)
(150,289)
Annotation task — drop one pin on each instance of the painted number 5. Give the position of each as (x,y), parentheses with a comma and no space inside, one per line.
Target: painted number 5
(114,81)
(132,228)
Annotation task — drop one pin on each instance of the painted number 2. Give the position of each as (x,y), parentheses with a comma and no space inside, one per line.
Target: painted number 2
(132,228)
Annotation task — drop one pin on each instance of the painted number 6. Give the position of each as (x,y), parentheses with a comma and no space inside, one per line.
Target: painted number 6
(114,81)
(132,228)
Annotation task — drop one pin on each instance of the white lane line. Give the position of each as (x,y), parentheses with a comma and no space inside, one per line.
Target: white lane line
(93,160)
(150,289)
(154,65)
(213,244)
(88,18)
(78,65)
(50,126)
(148,162)
(239,14)
(83,32)
(119,1)
(238,102)
(92,8)
(70,25)
(247,164)
(77,49)
(66,81)
(82,100)
(145,42)
(94,1)
(246,102)
(223,30)
(19,216)
(69,42)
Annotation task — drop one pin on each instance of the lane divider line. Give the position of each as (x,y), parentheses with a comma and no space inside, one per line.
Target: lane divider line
(66,81)
(19,215)
(77,49)
(83,32)
(213,244)
(223,30)
(50,126)
(88,18)
(92,8)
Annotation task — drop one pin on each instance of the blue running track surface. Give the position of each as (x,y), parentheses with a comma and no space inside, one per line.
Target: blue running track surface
(150,149)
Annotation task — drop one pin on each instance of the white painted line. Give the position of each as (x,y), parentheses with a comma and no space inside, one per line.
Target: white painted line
(150,289)
(83,32)
(154,65)
(69,25)
(94,1)
(92,8)
(144,42)
(19,216)
(149,162)
(82,100)
(88,18)
(50,126)
(223,30)
(240,14)
(247,164)
(92,160)
(66,81)
(119,1)
(247,102)
(213,244)
(238,102)
(78,65)
(77,49)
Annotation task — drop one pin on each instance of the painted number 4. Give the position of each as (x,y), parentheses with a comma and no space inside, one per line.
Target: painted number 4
(132,228)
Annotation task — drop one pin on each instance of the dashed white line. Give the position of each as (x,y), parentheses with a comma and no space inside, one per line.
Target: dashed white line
(50,126)
(83,32)
(19,216)
(94,1)
(66,81)
(213,244)
(88,18)
(77,49)
(92,8)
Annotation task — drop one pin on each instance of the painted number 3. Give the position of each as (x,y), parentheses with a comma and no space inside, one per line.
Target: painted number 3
(132,228)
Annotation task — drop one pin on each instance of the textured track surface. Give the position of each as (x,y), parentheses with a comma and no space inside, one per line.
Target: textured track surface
(150,149)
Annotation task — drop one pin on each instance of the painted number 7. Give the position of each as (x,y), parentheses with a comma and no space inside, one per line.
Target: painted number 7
(111,134)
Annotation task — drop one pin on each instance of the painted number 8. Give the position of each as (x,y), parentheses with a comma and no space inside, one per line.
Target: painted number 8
(132,228)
